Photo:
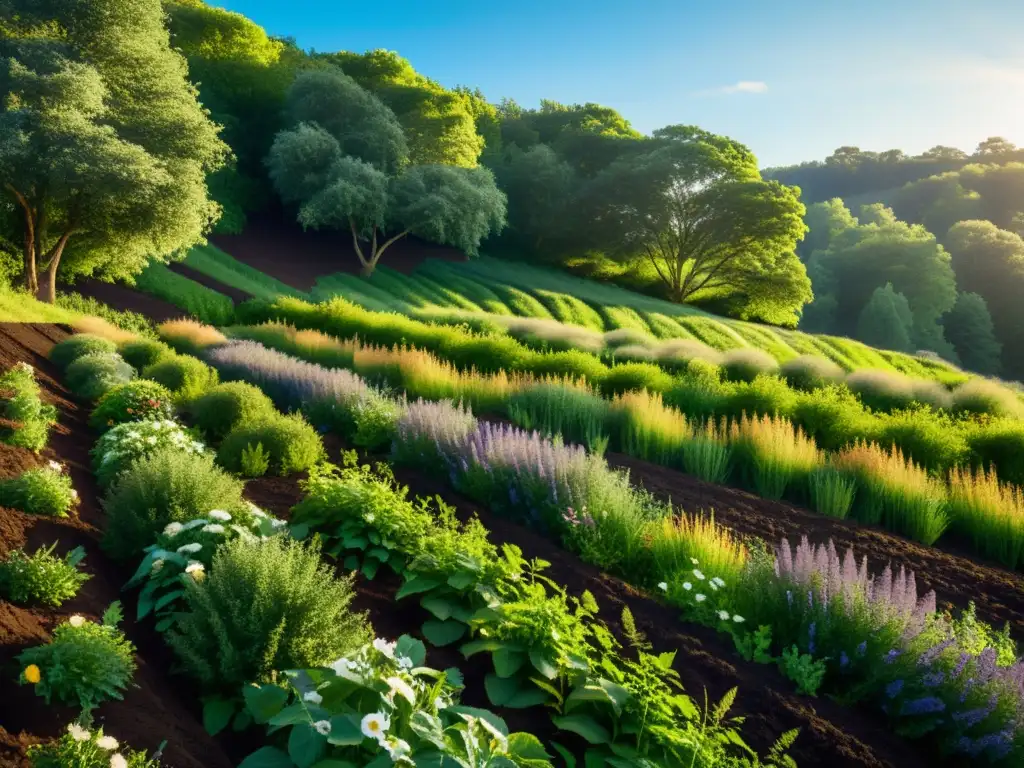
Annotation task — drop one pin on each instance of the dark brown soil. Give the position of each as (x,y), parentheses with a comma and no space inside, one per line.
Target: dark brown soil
(281,249)
(956,577)
(126,298)
(157,707)
(235,294)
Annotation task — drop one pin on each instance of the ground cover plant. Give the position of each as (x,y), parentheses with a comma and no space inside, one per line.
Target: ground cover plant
(85,748)
(136,400)
(41,577)
(30,419)
(215,263)
(204,303)
(91,376)
(46,490)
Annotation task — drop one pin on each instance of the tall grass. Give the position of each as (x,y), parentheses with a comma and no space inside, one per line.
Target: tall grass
(675,542)
(215,263)
(190,337)
(989,513)
(648,429)
(206,304)
(773,457)
(707,454)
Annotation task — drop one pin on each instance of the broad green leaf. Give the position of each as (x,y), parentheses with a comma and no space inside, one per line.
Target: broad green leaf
(264,701)
(356,542)
(267,757)
(217,714)
(382,761)
(543,663)
(526,698)
(345,730)
(500,690)
(455,678)
(441,633)
(242,721)
(290,715)
(507,662)
(412,648)
(416,585)
(305,745)
(565,754)
(332,763)
(379,553)
(170,597)
(601,690)
(479,646)
(461,581)
(370,568)
(481,714)
(526,746)
(438,606)
(582,725)
(351,563)
(428,727)
(299,531)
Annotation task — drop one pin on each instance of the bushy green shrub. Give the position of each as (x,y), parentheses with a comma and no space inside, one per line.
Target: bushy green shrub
(229,405)
(82,748)
(810,372)
(999,444)
(167,486)
(293,445)
(85,663)
(43,491)
(126,320)
(264,607)
(93,375)
(142,353)
(979,396)
(126,443)
(572,363)
(747,363)
(255,461)
(834,417)
(74,347)
(30,418)
(764,395)
(186,377)
(376,422)
(635,376)
(41,577)
(881,390)
(929,439)
(136,400)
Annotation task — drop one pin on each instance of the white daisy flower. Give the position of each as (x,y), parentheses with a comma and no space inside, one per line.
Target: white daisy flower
(219,515)
(213,528)
(78,733)
(173,529)
(723,615)
(738,619)
(196,570)
(687,586)
(189,549)
(347,669)
(717,581)
(76,620)
(698,575)
(699,597)
(396,749)
(375,726)
(383,646)
(108,743)
(323,727)
(312,697)
(663,586)
(118,761)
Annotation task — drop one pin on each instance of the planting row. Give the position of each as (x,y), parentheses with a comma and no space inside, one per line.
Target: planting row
(237,602)
(829,625)
(766,454)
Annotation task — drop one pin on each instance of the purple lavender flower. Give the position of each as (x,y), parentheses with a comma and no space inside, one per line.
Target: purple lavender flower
(844,660)
(933,679)
(892,655)
(862,648)
(893,689)
(810,637)
(971,717)
(926,705)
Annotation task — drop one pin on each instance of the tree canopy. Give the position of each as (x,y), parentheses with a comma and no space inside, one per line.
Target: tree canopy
(886,320)
(104,147)
(970,330)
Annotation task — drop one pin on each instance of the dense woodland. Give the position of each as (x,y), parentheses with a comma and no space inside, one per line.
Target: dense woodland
(104,169)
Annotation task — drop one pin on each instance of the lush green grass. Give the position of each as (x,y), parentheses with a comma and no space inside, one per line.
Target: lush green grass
(19,307)
(204,303)
(213,262)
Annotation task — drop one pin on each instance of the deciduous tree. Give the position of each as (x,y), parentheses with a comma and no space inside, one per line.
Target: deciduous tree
(970,330)
(886,320)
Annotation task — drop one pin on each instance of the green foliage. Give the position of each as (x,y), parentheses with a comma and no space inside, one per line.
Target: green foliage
(93,375)
(44,491)
(66,352)
(803,669)
(214,263)
(41,577)
(82,748)
(85,664)
(1000,445)
(265,606)
(886,320)
(831,492)
(20,403)
(143,353)
(376,423)
(979,397)
(290,442)
(227,406)
(136,400)
(968,326)
(255,461)
(133,322)
(124,444)
(208,305)
(105,105)
(166,486)
(810,372)
(746,364)
(186,377)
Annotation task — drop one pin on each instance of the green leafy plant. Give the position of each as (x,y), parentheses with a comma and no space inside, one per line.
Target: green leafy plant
(164,487)
(229,405)
(142,353)
(291,444)
(80,747)
(92,375)
(264,606)
(376,422)
(124,444)
(831,492)
(756,645)
(41,577)
(381,706)
(43,491)
(85,663)
(20,404)
(137,400)
(186,377)
(254,461)
(74,347)
(803,669)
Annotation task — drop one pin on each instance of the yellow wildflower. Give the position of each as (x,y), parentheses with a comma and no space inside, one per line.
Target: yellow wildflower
(32,674)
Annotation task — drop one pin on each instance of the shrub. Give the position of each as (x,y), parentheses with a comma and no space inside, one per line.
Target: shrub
(677,544)
(932,394)
(229,405)
(679,353)
(186,377)
(376,423)
(125,320)
(142,353)
(626,337)
(82,748)
(41,577)
(628,377)
(292,444)
(124,444)
(572,364)
(74,347)
(255,461)
(979,396)
(264,607)
(809,372)
(773,456)
(43,491)
(85,663)
(999,444)
(136,400)
(92,375)
(881,390)
(833,416)
(190,337)
(931,440)
(768,395)
(167,486)
(31,418)
(747,363)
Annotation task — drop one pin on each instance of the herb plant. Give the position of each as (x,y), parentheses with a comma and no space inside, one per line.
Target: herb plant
(41,577)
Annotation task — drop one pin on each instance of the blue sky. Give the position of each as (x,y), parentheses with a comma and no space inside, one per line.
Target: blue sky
(792,79)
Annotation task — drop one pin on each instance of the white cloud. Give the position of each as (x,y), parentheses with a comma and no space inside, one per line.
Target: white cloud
(743,86)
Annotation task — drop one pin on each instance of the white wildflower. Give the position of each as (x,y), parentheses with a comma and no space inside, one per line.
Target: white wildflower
(173,529)
(312,697)
(194,523)
(219,515)
(369,517)
(347,669)
(196,570)
(695,561)
(440,703)
(151,439)
(256,510)
(108,743)
(56,466)
(398,685)
(698,575)
(275,523)
(118,761)
(699,597)
(375,725)
(213,528)
(76,620)
(723,615)
(78,733)
(404,662)
(323,727)
(687,586)
(383,646)
(396,749)
(717,582)
(189,549)
(663,586)
(74,494)
(738,619)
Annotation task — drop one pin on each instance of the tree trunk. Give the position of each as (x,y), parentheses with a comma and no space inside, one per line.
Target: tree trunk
(51,272)
(31,234)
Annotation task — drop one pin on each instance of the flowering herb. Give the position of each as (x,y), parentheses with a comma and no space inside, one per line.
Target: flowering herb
(119,447)
(81,747)
(41,577)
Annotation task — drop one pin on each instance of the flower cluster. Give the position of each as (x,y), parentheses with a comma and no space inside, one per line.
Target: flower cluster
(693,594)
(83,748)
(125,443)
